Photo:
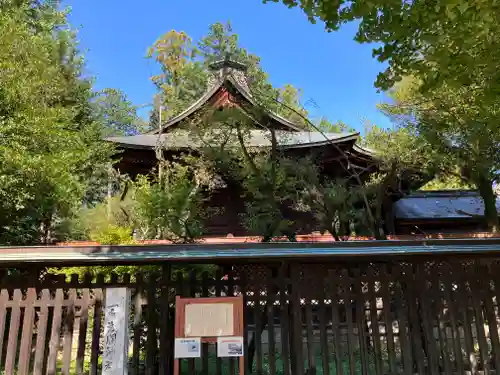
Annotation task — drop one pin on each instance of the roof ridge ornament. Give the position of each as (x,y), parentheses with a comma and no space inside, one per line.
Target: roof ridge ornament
(222,69)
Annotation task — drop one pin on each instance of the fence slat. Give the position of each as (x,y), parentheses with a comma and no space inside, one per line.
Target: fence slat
(311,355)
(55,334)
(362,327)
(82,326)
(428,327)
(464,302)
(4,297)
(10,357)
(41,336)
(337,344)
(384,270)
(69,325)
(416,333)
(478,295)
(191,292)
(297,346)
(271,344)
(138,329)
(27,333)
(96,330)
(219,284)
(258,329)
(374,321)
(151,340)
(402,311)
(164,359)
(347,297)
(484,285)
(455,329)
(204,346)
(284,319)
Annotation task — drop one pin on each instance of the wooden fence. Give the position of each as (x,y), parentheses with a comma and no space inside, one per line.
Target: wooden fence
(438,316)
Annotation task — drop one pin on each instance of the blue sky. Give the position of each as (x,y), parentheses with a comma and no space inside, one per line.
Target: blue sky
(335,73)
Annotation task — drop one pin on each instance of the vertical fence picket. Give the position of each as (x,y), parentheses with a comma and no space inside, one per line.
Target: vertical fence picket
(10,356)
(402,310)
(204,346)
(219,283)
(138,327)
(69,323)
(449,293)
(427,319)
(387,301)
(55,335)
(27,333)
(97,322)
(359,298)
(151,339)
(297,347)
(271,299)
(83,324)
(336,332)
(191,292)
(374,321)
(257,348)
(43,316)
(164,357)
(284,318)
(463,299)
(348,305)
(4,298)
(477,297)
(485,286)
(311,355)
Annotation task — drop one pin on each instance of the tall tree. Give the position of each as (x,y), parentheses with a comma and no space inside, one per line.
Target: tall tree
(51,144)
(461,129)
(117,114)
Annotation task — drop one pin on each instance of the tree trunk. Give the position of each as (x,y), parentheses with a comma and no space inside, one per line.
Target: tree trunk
(489,199)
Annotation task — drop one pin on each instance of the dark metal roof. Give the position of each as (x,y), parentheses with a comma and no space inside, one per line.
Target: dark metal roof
(256,138)
(458,204)
(240,253)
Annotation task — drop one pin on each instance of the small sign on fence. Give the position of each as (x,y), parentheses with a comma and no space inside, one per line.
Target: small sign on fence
(187,348)
(230,346)
(209,320)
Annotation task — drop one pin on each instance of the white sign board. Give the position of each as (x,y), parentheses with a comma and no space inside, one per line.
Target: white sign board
(187,347)
(230,346)
(116,318)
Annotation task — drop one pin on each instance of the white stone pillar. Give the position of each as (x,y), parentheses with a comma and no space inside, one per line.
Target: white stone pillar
(116,320)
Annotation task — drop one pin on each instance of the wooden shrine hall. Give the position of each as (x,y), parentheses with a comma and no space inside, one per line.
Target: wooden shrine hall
(336,154)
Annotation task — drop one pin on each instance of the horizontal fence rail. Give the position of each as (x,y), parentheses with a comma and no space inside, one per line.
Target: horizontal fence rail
(421,317)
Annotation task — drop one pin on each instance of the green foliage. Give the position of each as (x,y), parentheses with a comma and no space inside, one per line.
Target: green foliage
(50,149)
(336,205)
(117,113)
(170,208)
(452,42)
(113,235)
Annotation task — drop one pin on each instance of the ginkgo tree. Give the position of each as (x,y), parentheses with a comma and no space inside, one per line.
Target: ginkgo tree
(460,130)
